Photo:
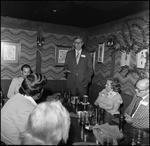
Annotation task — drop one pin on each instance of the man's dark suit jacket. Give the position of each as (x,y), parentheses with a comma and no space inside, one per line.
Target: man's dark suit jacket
(83,70)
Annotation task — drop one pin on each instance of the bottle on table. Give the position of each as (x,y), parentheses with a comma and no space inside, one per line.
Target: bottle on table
(121,122)
(96,115)
(85,101)
(139,136)
(101,116)
(69,98)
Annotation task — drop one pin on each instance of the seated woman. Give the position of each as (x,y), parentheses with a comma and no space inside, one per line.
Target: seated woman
(110,98)
(48,124)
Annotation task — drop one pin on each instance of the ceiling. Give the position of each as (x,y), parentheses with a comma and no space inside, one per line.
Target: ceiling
(83,14)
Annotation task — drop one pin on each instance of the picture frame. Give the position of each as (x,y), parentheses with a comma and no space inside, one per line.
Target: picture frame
(100,57)
(93,56)
(141,58)
(10,52)
(60,54)
(125,59)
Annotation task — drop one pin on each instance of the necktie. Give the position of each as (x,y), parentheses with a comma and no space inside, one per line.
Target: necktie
(136,105)
(77,57)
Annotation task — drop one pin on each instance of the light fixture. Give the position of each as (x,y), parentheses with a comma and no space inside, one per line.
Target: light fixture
(40,41)
(111,41)
(54,11)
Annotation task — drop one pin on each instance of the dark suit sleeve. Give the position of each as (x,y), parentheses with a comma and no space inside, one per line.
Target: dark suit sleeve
(131,105)
(66,63)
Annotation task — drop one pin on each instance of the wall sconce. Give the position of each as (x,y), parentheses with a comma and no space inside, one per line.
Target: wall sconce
(40,41)
(111,41)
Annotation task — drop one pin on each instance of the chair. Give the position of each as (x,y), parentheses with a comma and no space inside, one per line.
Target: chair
(2,143)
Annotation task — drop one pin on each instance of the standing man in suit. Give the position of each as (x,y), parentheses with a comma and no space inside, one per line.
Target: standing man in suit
(78,65)
(137,113)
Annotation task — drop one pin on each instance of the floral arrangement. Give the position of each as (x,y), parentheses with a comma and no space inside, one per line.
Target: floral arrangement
(132,44)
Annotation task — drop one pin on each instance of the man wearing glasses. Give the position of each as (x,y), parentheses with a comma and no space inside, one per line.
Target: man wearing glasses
(78,65)
(137,113)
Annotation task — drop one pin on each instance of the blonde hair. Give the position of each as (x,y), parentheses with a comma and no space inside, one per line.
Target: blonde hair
(48,124)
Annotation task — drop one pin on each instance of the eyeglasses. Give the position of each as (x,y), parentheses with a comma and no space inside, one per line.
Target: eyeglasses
(77,42)
(139,90)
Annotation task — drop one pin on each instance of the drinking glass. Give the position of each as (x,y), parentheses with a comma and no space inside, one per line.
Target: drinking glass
(82,118)
(132,137)
(86,116)
(139,136)
(90,111)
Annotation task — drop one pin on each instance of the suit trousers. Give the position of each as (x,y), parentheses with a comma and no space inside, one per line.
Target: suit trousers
(78,89)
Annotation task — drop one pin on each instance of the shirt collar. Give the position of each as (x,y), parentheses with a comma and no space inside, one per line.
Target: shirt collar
(78,50)
(112,93)
(145,96)
(31,99)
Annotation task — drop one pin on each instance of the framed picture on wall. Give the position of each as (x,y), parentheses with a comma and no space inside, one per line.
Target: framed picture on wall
(100,57)
(141,58)
(60,54)
(93,55)
(10,52)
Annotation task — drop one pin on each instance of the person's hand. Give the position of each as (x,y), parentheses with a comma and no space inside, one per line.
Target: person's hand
(67,71)
(128,118)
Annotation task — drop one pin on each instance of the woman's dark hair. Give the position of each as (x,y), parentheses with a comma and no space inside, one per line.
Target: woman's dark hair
(115,85)
(33,84)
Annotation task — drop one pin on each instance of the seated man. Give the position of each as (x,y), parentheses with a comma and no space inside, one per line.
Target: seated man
(16,82)
(137,113)
(109,98)
(15,112)
(48,124)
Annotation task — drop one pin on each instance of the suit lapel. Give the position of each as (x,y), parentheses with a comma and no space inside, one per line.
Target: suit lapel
(81,58)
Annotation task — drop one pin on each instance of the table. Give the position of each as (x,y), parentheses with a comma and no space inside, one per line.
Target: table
(79,134)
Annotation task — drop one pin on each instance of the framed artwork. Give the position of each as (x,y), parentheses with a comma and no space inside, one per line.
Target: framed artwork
(100,57)
(141,59)
(10,52)
(93,56)
(125,59)
(60,54)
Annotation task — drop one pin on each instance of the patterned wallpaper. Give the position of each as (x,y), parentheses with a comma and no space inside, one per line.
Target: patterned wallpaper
(103,71)
(28,52)
(48,67)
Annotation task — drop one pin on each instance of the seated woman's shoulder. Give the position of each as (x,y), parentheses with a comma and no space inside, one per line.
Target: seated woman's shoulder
(118,97)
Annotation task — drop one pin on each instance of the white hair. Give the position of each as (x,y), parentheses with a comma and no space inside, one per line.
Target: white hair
(48,124)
